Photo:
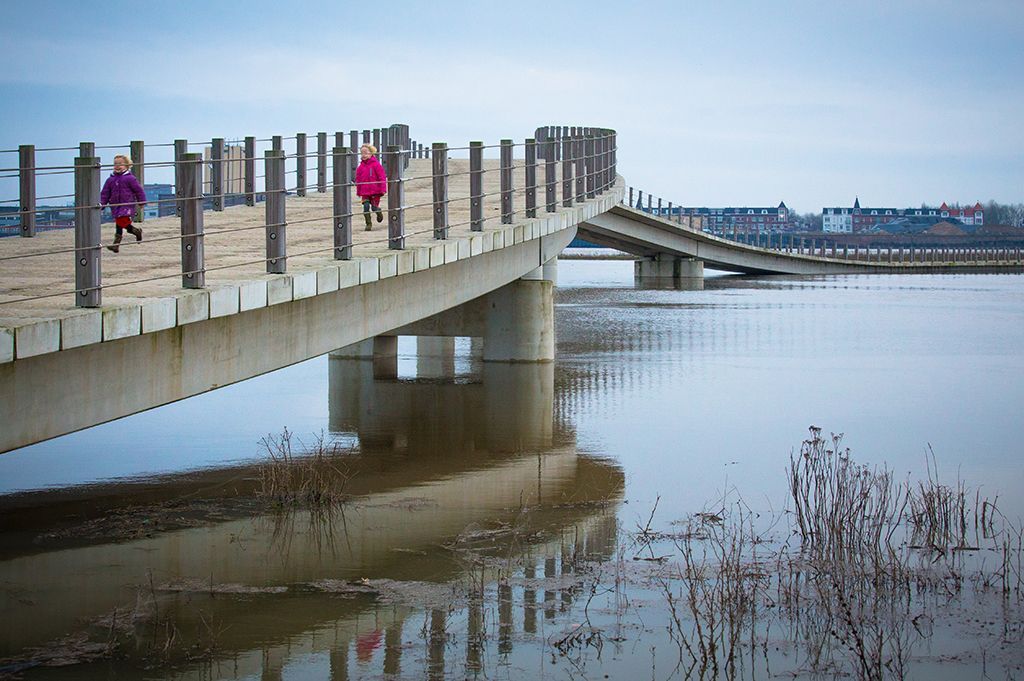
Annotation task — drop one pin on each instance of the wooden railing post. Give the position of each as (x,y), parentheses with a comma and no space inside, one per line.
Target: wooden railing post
(193,274)
(376,140)
(277,248)
(506,181)
(396,198)
(578,154)
(300,164)
(342,200)
(568,187)
(137,150)
(180,149)
(439,165)
(609,167)
(353,145)
(87,232)
(276,144)
(531,177)
(476,186)
(321,162)
(589,151)
(27,188)
(250,170)
(549,175)
(217,172)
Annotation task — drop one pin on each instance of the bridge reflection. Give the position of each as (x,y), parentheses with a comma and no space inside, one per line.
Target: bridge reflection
(504,408)
(467,512)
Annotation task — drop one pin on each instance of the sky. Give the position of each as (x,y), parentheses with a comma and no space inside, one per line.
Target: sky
(898,103)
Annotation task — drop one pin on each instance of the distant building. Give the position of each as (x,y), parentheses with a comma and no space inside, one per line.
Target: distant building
(155,194)
(843,220)
(975,215)
(234,170)
(719,220)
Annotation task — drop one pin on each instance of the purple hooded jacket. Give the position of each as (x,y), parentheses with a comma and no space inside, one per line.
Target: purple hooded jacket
(122,189)
(370,178)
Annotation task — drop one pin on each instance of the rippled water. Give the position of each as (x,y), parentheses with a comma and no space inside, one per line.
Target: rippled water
(487,499)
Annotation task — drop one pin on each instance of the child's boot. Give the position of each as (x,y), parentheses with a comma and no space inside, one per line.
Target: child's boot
(114,246)
(366,215)
(380,214)
(137,231)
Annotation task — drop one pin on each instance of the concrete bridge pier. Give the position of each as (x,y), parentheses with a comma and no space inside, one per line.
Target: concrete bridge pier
(516,323)
(383,350)
(683,273)
(519,319)
(435,356)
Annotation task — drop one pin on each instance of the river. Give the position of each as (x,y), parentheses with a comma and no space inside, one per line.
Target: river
(489,506)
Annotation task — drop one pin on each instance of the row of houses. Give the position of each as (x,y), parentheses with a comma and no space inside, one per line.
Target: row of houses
(837,220)
(719,220)
(848,220)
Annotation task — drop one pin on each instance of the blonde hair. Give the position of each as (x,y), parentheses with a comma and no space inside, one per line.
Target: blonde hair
(127,160)
(372,149)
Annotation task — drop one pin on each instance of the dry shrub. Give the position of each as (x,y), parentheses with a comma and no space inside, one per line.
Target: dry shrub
(313,476)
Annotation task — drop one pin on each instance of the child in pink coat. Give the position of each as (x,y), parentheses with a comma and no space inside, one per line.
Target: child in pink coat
(371,183)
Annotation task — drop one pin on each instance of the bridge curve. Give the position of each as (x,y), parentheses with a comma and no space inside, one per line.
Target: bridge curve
(652,236)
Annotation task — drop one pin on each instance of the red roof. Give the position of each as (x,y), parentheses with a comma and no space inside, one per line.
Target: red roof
(976,208)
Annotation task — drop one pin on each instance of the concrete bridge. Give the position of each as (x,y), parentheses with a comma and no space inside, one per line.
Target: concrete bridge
(670,250)
(469,248)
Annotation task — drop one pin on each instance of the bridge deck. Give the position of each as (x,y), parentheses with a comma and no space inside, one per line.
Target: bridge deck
(149,273)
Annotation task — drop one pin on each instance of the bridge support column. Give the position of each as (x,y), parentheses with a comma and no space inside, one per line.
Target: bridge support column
(685,272)
(519,323)
(435,356)
(382,350)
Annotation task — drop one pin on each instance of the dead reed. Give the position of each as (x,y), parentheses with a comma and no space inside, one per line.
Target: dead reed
(855,594)
(944,517)
(313,476)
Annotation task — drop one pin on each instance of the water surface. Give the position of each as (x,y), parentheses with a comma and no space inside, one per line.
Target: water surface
(487,499)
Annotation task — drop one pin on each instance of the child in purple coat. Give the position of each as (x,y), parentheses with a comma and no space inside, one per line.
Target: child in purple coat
(122,192)
(371,183)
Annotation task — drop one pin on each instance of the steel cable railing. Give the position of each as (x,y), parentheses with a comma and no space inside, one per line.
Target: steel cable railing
(596,161)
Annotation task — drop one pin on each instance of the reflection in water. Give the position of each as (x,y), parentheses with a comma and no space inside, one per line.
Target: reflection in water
(508,409)
(444,473)
(470,497)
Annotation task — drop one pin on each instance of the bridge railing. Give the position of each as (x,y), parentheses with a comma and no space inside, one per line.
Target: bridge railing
(560,166)
(824,246)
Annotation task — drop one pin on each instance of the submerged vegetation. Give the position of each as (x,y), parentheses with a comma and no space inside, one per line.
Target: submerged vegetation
(868,565)
(863,576)
(311,476)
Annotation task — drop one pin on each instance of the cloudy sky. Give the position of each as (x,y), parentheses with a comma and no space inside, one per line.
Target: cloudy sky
(716,103)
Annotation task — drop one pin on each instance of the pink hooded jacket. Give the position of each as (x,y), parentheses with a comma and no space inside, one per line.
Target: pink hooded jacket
(371,179)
